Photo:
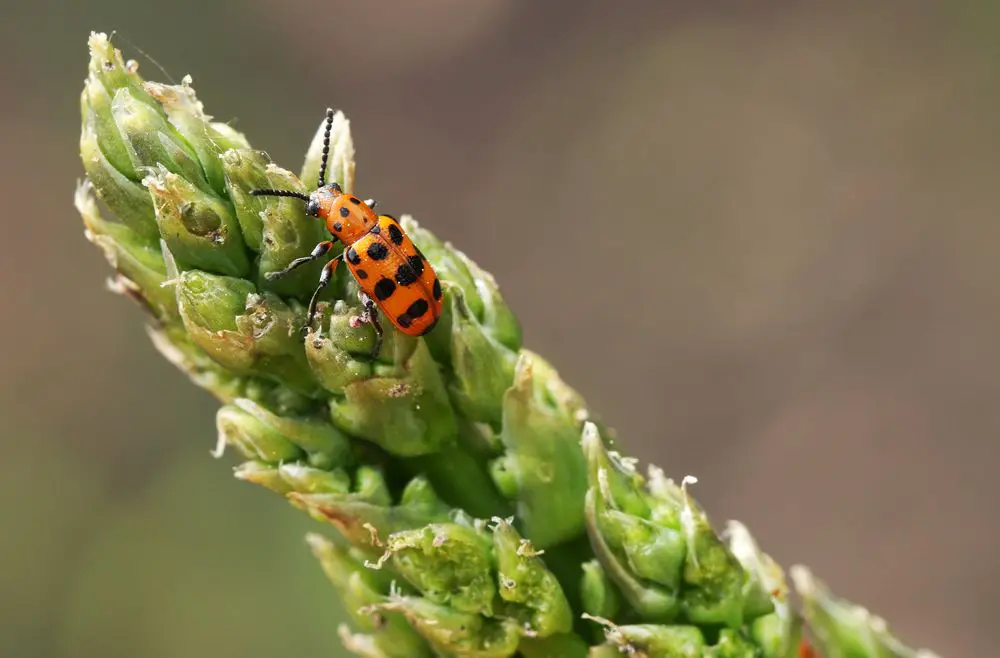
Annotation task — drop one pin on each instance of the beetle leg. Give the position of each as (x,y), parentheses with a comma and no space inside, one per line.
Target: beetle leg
(371,316)
(324,280)
(318,251)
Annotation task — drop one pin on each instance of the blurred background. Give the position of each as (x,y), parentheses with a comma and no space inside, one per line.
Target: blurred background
(762,241)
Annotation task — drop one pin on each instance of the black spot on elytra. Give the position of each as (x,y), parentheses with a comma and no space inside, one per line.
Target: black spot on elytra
(376,229)
(405,274)
(437,289)
(355,200)
(395,234)
(417,263)
(345,211)
(352,256)
(384,288)
(377,251)
(418,308)
(361,273)
(404,320)
(337,226)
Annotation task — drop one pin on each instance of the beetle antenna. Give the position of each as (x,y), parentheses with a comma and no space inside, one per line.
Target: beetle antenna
(326,146)
(288,193)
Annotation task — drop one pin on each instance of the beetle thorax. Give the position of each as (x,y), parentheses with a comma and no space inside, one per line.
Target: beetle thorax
(347,217)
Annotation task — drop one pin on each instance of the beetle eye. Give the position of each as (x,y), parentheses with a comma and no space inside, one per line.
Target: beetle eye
(312,208)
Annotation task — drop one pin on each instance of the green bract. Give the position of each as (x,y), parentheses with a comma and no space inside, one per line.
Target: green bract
(481,511)
(845,630)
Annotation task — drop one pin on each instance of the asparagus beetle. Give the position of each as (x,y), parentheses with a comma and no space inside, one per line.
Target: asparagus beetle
(392,273)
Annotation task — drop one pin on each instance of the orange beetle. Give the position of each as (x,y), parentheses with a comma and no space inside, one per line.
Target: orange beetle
(392,273)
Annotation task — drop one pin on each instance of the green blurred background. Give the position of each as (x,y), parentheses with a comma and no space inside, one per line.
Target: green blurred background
(762,241)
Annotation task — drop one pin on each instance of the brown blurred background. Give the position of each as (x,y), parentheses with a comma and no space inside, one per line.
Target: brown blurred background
(763,242)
